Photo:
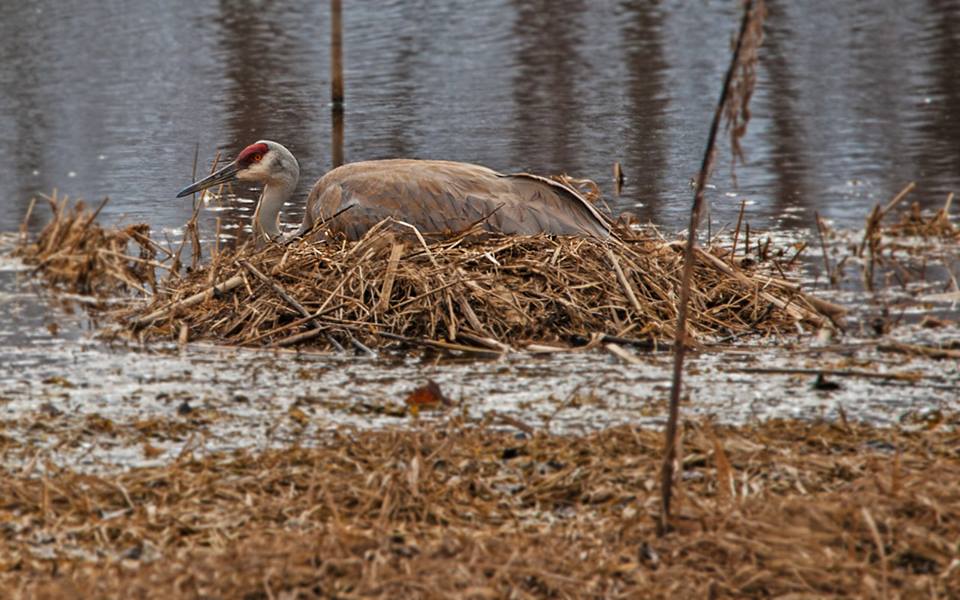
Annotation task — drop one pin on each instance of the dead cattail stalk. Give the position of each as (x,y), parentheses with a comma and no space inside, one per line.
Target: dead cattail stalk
(823,247)
(881,552)
(746,240)
(336,53)
(230,284)
(336,81)
(24,225)
(736,232)
(896,199)
(748,40)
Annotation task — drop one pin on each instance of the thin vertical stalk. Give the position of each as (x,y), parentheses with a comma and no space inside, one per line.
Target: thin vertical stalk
(680,341)
(336,140)
(736,234)
(828,270)
(336,53)
(336,82)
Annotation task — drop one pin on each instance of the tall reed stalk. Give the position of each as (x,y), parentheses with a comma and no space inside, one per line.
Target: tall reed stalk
(733,104)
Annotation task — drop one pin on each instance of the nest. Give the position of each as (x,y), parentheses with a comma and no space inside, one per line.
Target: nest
(472,292)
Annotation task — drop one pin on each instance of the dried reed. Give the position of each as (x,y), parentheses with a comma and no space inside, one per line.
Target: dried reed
(734,104)
(455,509)
(74,253)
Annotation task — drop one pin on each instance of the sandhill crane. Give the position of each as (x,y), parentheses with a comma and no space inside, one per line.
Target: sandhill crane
(437,197)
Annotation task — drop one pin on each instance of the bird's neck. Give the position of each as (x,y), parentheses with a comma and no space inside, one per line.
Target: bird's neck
(266,220)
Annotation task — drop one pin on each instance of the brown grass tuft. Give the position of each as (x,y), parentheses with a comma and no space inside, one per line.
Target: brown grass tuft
(76,254)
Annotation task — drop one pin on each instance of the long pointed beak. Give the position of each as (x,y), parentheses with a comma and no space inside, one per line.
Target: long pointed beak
(227,173)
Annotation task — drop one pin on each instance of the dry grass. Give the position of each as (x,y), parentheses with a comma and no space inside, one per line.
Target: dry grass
(74,253)
(455,509)
(938,225)
(881,240)
(469,293)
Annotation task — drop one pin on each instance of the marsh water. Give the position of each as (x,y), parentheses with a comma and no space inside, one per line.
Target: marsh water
(113,99)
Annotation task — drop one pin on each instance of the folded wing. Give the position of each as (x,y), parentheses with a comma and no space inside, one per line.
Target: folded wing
(443,198)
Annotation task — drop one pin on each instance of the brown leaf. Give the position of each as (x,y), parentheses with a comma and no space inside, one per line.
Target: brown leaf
(427,396)
(725,483)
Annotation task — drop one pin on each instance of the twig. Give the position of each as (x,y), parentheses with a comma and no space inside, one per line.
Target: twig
(627,288)
(830,372)
(26,221)
(651,344)
(512,421)
(93,216)
(736,232)
(387,288)
(918,350)
(623,354)
(896,199)
(360,346)
(485,341)
(230,284)
(144,261)
(796,255)
(438,344)
(872,526)
(303,336)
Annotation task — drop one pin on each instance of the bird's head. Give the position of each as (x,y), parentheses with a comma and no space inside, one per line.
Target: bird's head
(265,162)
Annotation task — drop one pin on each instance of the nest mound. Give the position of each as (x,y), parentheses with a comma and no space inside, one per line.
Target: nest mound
(471,292)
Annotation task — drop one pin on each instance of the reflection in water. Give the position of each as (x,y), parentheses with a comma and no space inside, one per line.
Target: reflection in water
(787,156)
(851,103)
(939,155)
(29,116)
(648,100)
(336,136)
(401,106)
(545,86)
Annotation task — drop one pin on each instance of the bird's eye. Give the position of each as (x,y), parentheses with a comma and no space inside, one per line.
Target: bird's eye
(257,157)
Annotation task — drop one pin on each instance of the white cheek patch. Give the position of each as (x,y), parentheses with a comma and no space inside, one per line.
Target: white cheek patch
(255,172)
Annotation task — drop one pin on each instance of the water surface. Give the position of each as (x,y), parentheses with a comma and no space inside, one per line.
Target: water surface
(854,99)
(111,98)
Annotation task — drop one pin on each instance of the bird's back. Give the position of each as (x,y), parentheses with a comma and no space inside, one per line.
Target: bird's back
(441,197)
